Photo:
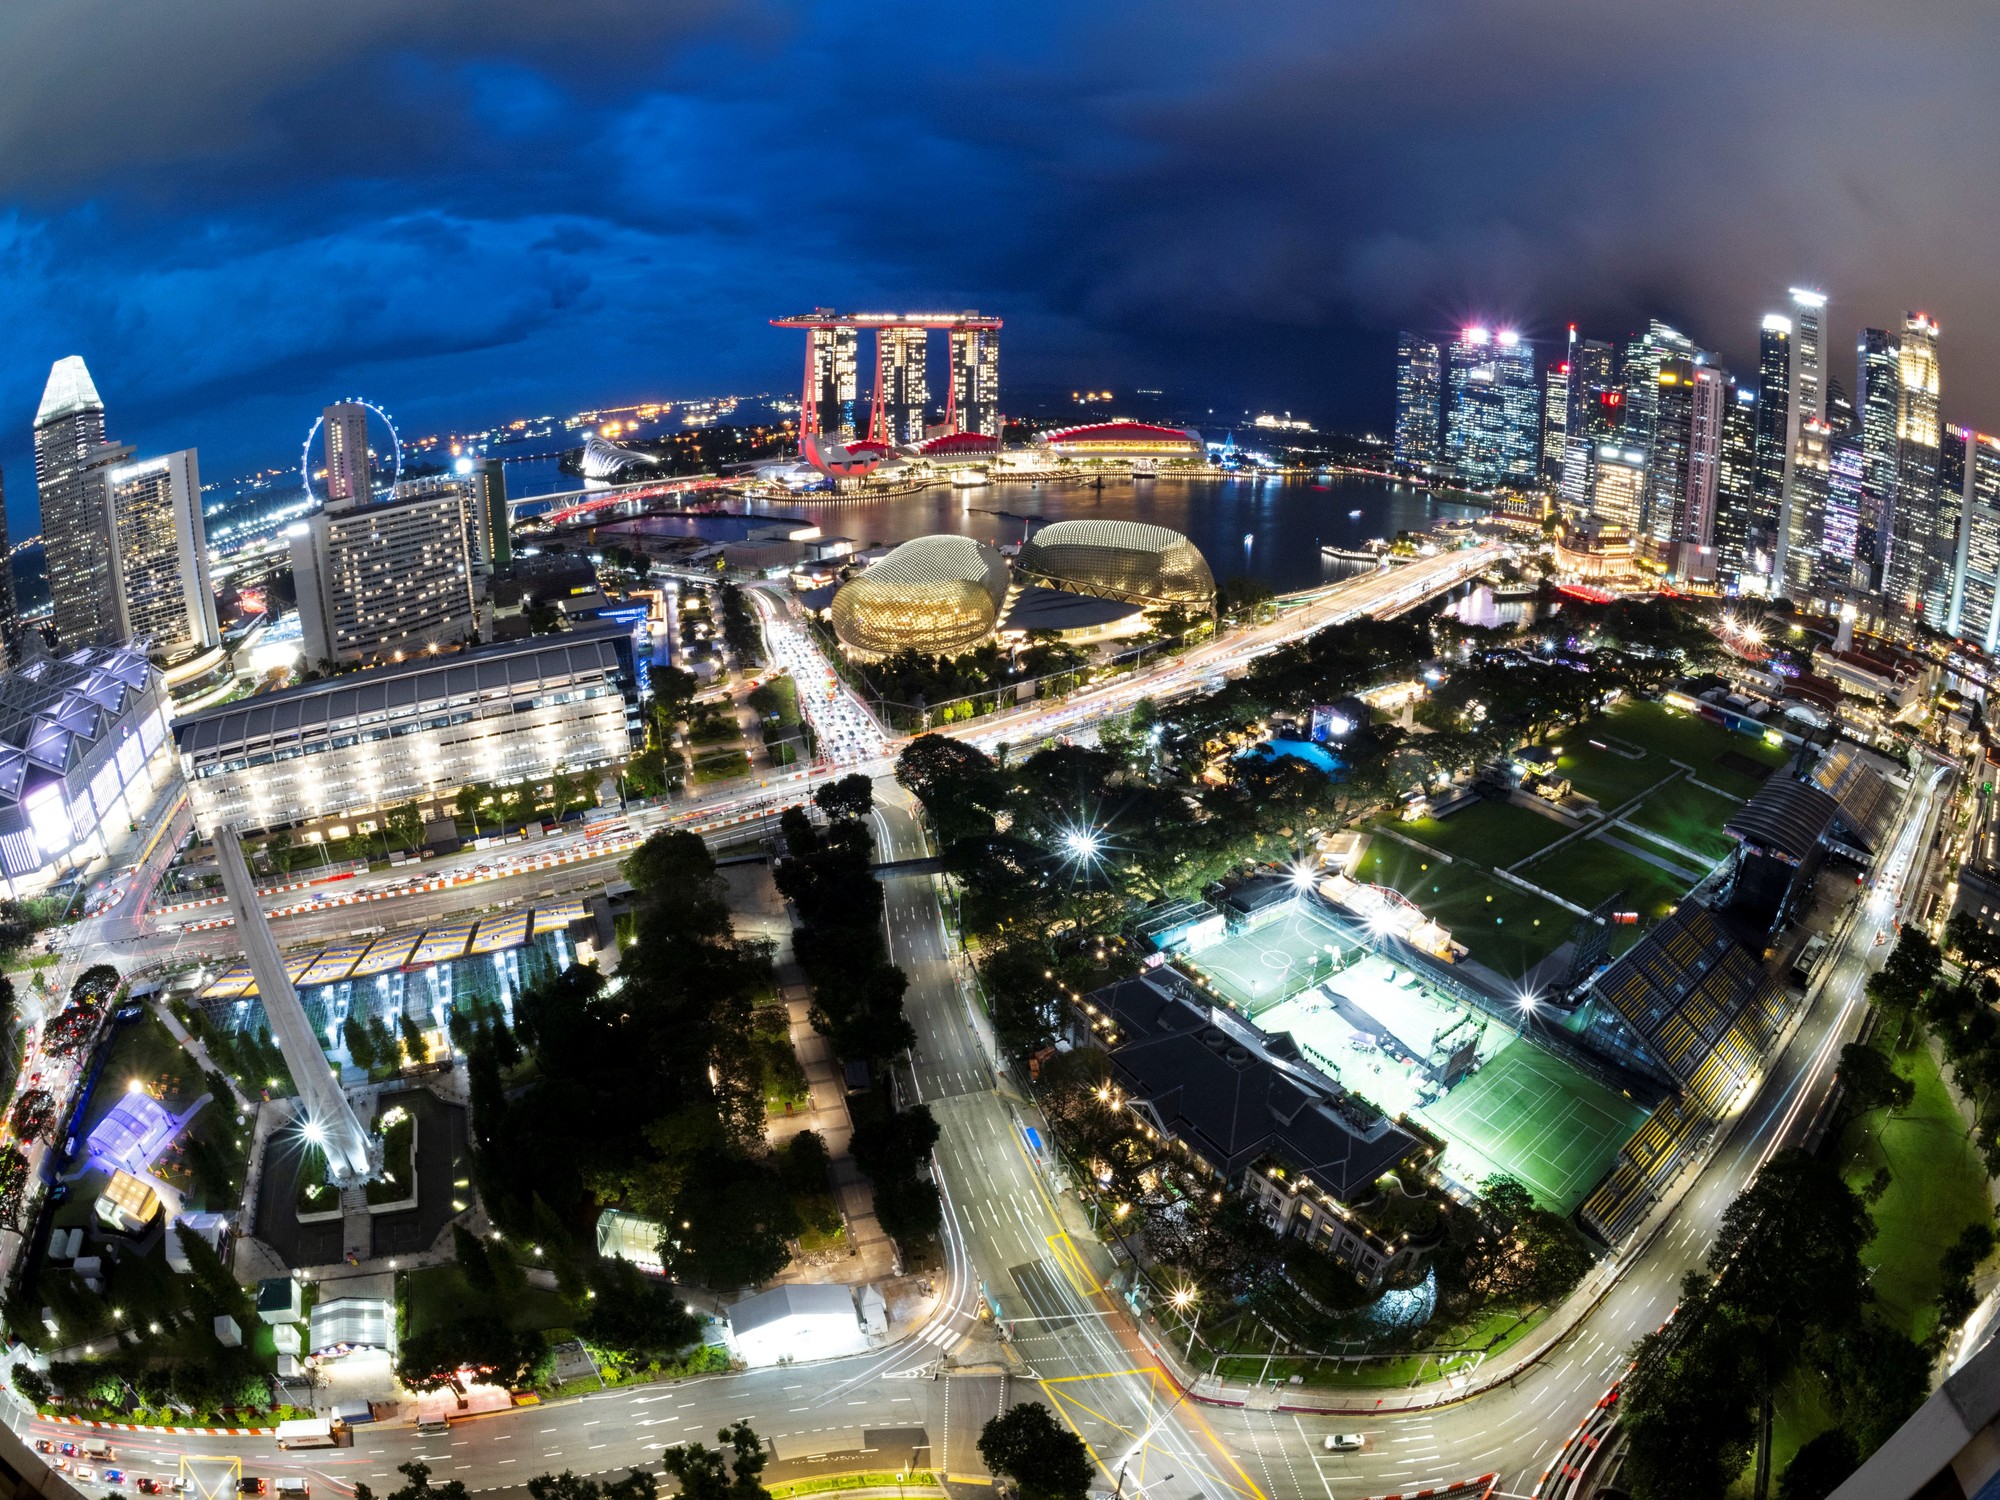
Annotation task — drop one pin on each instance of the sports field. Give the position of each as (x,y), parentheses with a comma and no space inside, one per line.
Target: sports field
(1487,832)
(1610,772)
(1589,870)
(1530,1114)
(1502,926)
(1255,970)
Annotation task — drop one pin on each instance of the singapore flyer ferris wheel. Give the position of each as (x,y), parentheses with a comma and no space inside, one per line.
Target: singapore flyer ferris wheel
(312,466)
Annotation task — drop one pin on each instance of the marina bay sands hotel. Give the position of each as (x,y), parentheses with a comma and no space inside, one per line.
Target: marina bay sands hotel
(901,395)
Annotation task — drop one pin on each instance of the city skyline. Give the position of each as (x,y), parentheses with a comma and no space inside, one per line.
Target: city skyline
(503,224)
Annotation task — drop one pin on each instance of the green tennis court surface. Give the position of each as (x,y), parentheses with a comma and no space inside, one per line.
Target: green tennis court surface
(1532,1115)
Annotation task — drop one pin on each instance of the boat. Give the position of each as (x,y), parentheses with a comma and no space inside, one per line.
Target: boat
(1354,515)
(968,479)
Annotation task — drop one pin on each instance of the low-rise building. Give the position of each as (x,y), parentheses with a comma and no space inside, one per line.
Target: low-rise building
(83,750)
(1254,1115)
(1900,678)
(415,731)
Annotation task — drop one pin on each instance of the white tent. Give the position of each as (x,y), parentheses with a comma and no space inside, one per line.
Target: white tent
(796,1322)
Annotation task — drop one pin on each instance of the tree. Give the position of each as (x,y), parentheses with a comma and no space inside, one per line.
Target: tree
(405,825)
(636,1314)
(413,1040)
(1046,1461)
(960,786)
(360,1045)
(851,797)
(1870,1081)
(428,1360)
(467,801)
(636,1485)
(1906,977)
(731,1472)
(419,1487)
(31,1385)
(1821,1466)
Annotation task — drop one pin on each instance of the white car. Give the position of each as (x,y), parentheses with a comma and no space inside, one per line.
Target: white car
(1344,1442)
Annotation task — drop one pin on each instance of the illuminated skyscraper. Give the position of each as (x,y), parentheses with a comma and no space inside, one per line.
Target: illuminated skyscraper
(1839,563)
(1691,414)
(1555,419)
(832,351)
(1593,370)
(1879,384)
(1640,375)
(1804,517)
(349,473)
(1839,409)
(159,558)
(10,604)
(902,387)
(69,481)
(1736,484)
(1617,487)
(1973,615)
(1805,409)
(1774,404)
(975,379)
(1419,401)
(1493,429)
(1913,580)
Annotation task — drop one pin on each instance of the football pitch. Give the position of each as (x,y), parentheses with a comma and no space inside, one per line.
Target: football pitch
(1255,970)
(1531,1115)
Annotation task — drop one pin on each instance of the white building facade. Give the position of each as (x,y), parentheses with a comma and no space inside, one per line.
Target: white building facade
(159,565)
(416,731)
(84,752)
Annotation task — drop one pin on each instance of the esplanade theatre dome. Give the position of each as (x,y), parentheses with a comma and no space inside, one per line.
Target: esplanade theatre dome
(1129,560)
(936,594)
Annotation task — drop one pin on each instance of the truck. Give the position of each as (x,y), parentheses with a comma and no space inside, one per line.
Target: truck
(307,1432)
(96,1448)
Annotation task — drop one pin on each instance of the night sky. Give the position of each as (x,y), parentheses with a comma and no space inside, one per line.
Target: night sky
(236,210)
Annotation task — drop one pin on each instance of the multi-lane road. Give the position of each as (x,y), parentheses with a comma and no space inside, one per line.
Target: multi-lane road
(1016,1245)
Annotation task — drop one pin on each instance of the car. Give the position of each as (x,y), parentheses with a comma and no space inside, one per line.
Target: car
(250,1484)
(43,1445)
(114,1476)
(150,1486)
(67,1450)
(85,1474)
(1344,1442)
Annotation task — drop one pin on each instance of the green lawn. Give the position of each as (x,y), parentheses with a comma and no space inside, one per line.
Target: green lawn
(1610,778)
(1689,815)
(1492,833)
(438,1295)
(1666,735)
(1589,870)
(1937,1186)
(1502,926)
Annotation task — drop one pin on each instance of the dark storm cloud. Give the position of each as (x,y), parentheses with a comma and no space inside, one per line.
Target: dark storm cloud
(470,208)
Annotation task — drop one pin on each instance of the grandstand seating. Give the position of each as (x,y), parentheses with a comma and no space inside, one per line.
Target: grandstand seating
(1705,1010)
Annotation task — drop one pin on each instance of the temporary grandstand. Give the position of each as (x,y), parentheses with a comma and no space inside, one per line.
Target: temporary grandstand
(1694,1008)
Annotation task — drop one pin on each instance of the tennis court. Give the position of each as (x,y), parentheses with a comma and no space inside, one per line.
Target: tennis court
(1255,970)
(1534,1116)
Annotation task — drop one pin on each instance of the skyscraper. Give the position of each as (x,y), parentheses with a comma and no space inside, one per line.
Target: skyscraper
(349,472)
(1617,487)
(1419,401)
(389,578)
(1774,405)
(10,604)
(1806,387)
(1640,375)
(1593,370)
(832,352)
(975,379)
(902,387)
(1840,563)
(159,560)
(1973,615)
(1736,484)
(69,481)
(1493,429)
(1839,408)
(1879,385)
(1668,463)
(1911,580)
(1804,521)
(1555,420)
